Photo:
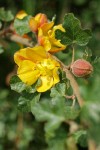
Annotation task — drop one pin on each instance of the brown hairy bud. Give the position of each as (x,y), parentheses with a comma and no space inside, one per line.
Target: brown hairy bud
(81,68)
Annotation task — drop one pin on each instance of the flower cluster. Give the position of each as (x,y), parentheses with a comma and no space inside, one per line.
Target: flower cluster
(45,31)
(37,62)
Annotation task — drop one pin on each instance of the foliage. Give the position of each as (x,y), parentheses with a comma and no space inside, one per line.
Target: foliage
(21,25)
(74,33)
(51,120)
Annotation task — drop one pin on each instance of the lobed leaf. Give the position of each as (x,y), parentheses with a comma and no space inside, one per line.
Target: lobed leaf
(58,90)
(59,141)
(91,117)
(17,85)
(25,101)
(6,15)
(74,33)
(81,137)
(54,113)
(22,25)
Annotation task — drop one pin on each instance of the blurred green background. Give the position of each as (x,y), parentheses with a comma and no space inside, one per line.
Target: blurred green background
(20,131)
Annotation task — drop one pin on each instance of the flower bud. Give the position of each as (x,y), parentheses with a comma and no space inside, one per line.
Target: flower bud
(37,21)
(81,68)
(41,19)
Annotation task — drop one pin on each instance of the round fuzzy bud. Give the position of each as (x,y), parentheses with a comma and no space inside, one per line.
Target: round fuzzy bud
(81,68)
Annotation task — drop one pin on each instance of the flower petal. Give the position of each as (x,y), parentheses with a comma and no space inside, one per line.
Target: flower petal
(33,24)
(34,54)
(21,14)
(41,19)
(37,53)
(20,56)
(55,76)
(28,72)
(46,83)
(47,26)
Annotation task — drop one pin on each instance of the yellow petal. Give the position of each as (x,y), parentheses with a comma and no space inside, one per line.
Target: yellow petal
(21,14)
(28,72)
(47,26)
(55,76)
(41,18)
(49,64)
(37,53)
(33,24)
(46,83)
(58,27)
(56,44)
(34,54)
(20,56)
(55,49)
(40,32)
(46,43)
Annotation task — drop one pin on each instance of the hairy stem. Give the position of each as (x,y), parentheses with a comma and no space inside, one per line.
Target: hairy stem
(74,85)
(73,53)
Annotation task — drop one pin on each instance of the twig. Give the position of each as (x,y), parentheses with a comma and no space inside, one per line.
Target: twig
(9,33)
(70,97)
(19,39)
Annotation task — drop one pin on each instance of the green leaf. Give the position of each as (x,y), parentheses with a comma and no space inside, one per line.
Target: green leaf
(22,25)
(54,113)
(59,141)
(1,49)
(59,90)
(17,85)
(6,15)
(24,104)
(74,33)
(90,115)
(81,137)
(26,100)
(71,113)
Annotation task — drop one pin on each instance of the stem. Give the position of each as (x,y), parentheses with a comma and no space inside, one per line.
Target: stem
(9,34)
(73,53)
(73,82)
(74,85)
(19,39)
(73,104)
(19,130)
(91,145)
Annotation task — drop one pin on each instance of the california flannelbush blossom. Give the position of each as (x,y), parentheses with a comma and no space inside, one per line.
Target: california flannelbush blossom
(45,31)
(46,38)
(33,64)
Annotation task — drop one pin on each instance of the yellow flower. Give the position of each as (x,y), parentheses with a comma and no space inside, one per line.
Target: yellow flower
(35,63)
(21,14)
(37,21)
(46,38)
